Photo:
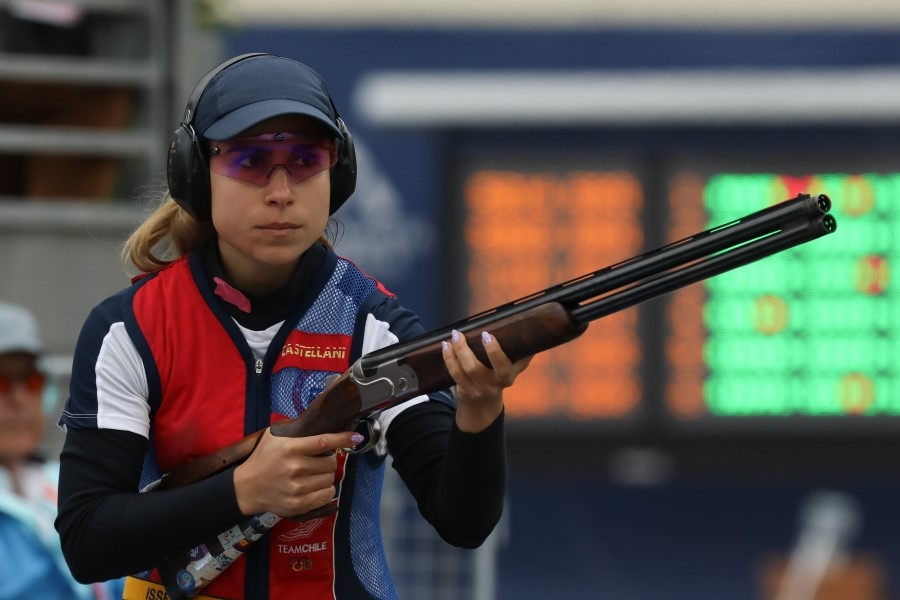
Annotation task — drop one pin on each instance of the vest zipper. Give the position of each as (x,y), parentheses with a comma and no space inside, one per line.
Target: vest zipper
(256,571)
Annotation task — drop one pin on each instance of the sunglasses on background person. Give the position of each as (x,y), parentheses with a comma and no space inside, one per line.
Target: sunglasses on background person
(254,159)
(33,381)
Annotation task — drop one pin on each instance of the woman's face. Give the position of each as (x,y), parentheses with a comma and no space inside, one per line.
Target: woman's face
(264,227)
(21,412)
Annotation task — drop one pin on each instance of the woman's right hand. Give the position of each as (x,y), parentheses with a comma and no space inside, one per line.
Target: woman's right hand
(290,476)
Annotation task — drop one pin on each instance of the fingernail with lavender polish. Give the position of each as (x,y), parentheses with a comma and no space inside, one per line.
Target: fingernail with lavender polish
(357,438)
(486,337)
(445,346)
(454,335)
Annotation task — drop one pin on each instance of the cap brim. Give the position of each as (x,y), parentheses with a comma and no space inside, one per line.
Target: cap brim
(26,347)
(248,116)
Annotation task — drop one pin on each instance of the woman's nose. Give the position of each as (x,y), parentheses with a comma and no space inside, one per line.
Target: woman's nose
(278,189)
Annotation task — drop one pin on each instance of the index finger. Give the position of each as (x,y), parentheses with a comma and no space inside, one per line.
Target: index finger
(500,362)
(494,351)
(329,442)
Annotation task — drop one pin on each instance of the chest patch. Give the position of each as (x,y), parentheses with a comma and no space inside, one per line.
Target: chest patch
(315,352)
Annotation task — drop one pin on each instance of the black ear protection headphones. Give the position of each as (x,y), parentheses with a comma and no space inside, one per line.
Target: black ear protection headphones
(187,167)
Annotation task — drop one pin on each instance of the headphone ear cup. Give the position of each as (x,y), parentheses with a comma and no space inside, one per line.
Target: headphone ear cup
(186,174)
(343,174)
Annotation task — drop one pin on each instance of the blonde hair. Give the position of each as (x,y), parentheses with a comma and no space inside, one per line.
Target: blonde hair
(168,234)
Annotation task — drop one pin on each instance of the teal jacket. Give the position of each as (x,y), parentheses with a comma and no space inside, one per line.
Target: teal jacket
(31,561)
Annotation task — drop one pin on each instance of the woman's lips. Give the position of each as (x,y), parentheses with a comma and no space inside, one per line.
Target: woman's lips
(280,228)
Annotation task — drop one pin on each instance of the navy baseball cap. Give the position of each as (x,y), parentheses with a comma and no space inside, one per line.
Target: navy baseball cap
(258,88)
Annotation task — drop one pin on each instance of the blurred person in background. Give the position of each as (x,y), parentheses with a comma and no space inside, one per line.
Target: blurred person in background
(32,565)
(239,315)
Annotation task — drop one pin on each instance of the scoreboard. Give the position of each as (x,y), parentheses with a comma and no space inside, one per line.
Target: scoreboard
(806,339)
(810,332)
(526,231)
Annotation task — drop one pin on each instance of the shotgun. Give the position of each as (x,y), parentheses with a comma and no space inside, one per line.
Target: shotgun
(523,327)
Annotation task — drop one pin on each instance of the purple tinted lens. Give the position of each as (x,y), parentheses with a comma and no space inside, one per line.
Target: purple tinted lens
(255,161)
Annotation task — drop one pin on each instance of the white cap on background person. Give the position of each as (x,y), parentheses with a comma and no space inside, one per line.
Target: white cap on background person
(19,330)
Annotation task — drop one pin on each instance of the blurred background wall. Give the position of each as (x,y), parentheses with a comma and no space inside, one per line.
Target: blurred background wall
(700,446)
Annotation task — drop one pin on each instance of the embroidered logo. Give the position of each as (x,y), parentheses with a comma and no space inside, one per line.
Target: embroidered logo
(303,530)
(301,564)
(315,352)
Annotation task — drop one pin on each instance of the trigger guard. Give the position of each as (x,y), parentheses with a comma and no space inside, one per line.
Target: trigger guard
(370,429)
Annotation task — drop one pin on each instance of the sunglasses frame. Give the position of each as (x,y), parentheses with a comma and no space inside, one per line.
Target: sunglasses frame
(284,142)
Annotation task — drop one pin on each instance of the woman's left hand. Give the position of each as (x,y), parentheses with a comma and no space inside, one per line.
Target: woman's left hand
(479,389)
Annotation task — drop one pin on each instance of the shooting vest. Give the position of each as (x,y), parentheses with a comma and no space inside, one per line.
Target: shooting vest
(207,391)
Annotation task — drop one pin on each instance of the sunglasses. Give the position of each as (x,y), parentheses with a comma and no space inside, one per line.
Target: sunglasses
(254,159)
(33,381)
